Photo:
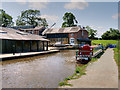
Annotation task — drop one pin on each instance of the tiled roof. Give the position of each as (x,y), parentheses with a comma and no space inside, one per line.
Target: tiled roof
(62,30)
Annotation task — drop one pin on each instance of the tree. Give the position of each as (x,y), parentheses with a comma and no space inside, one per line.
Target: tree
(69,20)
(42,22)
(31,17)
(92,32)
(112,34)
(5,19)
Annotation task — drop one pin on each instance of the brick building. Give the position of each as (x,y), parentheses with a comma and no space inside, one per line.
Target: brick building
(67,35)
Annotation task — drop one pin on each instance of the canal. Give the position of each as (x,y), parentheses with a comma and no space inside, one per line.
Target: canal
(45,71)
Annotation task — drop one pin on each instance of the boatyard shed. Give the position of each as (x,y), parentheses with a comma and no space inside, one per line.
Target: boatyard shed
(13,41)
(67,35)
(37,30)
(30,29)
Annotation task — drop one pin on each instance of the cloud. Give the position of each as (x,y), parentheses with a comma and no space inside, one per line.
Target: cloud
(81,4)
(51,18)
(34,4)
(21,1)
(37,5)
(116,16)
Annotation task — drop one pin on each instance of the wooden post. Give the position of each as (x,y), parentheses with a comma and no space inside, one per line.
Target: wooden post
(61,40)
(1,47)
(30,46)
(43,45)
(6,43)
(22,46)
(47,45)
(68,39)
(15,46)
(37,45)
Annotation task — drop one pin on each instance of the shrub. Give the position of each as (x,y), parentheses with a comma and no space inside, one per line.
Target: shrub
(64,83)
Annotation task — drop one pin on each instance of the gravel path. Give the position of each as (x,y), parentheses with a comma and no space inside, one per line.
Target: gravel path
(100,74)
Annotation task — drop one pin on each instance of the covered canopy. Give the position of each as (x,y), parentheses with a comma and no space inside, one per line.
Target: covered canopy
(12,34)
(84,40)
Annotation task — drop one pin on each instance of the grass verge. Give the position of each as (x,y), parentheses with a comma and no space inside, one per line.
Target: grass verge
(104,42)
(117,56)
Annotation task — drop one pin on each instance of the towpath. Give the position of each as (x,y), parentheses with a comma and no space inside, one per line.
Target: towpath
(100,74)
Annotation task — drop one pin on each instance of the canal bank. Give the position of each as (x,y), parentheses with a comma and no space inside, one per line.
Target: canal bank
(23,55)
(11,56)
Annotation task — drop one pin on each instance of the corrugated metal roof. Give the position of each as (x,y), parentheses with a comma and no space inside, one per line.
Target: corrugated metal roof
(18,35)
(62,30)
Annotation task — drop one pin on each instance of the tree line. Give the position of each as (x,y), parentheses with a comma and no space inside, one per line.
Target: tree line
(32,17)
(27,17)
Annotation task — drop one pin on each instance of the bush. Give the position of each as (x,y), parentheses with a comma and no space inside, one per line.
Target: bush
(78,69)
(68,78)
(64,83)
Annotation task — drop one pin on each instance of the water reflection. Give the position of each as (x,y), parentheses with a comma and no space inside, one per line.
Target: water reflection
(40,71)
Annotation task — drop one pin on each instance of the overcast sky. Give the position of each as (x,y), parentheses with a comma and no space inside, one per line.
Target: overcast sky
(98,15)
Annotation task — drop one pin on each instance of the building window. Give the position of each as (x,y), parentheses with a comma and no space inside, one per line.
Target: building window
(30,32)
(83,42)
(66,39)
(72,34)
(57,39)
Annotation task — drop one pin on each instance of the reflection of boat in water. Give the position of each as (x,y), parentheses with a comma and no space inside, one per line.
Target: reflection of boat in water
(85,53)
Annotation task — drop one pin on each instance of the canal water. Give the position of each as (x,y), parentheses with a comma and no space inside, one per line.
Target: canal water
(45,71)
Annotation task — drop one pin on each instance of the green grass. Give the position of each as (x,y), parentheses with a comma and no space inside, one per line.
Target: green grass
(68,78)
(63,83)
(104,42)
(79,71)
(117,56)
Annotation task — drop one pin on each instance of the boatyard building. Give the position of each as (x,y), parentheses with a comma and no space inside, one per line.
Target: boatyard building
(13,41)
(30,29)
(67,35)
